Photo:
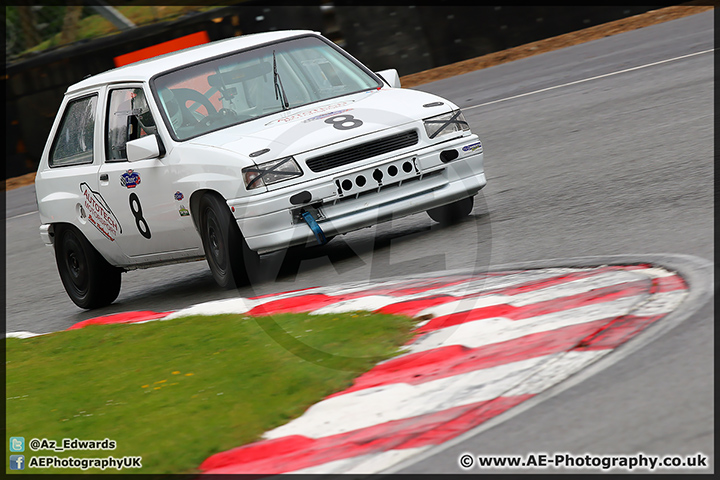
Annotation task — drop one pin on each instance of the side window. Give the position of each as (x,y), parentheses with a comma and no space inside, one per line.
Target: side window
(124,103)
(74,140)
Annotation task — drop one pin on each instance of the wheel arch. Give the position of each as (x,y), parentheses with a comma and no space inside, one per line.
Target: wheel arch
(195,204)
(55,227)
(52,235)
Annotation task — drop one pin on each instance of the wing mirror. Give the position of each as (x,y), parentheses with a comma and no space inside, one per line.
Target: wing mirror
(142,148)
(390,77)
(149,146)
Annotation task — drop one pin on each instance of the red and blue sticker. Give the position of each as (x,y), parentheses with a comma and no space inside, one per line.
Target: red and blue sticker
(130,179)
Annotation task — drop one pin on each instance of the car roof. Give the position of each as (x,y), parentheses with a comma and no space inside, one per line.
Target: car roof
(143,70)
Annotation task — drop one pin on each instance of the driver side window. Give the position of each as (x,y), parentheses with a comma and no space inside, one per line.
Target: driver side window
(123,103)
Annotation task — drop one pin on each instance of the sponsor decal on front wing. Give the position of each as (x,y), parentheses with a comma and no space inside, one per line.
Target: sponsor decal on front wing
(472,147)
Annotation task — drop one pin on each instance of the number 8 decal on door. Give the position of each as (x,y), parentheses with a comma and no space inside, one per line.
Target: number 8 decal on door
(136,210)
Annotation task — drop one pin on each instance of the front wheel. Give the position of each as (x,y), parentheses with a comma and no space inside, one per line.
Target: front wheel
(226,251)
(452,212)
(89,280)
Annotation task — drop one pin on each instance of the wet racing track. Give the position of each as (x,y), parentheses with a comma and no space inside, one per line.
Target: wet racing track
(600,149)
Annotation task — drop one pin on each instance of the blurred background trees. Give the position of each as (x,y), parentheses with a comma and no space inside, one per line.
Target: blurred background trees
(33,28)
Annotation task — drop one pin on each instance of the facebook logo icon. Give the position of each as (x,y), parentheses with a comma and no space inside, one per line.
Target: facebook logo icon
(17,462)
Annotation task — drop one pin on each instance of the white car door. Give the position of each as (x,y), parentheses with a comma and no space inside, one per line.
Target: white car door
(154,215)
(68,189)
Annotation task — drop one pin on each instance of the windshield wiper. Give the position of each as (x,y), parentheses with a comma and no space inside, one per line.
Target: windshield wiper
(279,90)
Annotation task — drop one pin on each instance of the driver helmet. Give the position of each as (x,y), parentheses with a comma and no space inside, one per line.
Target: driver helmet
(172,107)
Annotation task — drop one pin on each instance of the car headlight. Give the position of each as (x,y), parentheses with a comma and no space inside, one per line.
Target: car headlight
(271,172)
(445,124)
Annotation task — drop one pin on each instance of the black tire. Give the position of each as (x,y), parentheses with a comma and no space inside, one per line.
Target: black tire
(452,212)
(89,280)
(226,251)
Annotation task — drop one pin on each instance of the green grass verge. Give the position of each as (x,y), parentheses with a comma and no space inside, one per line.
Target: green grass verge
(176,392)
(94,26)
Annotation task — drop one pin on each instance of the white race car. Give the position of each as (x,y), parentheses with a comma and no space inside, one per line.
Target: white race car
(237,148)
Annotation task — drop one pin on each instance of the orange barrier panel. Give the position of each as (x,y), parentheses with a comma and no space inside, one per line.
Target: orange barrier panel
(161,48)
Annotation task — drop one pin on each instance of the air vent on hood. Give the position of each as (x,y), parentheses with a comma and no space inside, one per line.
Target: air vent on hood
(363,151)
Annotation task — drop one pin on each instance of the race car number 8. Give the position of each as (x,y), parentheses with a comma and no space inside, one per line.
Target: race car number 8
(344,122)
(136,210)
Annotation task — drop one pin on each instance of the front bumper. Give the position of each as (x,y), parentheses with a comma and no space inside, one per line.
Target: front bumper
(365,195)
(46,234)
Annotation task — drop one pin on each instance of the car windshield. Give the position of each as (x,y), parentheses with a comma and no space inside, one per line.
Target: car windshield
(254,83)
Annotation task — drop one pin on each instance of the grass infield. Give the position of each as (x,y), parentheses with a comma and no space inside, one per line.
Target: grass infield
(175,392)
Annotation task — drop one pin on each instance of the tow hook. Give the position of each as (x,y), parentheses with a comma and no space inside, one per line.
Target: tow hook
(319,234)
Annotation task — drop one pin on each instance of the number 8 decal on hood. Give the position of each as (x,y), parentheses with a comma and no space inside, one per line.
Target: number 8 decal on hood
(344,122)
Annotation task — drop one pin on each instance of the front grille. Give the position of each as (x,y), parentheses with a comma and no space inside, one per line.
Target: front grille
(362,151)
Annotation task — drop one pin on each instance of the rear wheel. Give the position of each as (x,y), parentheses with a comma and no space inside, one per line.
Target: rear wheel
(89,280)
(452,212)
(227,253)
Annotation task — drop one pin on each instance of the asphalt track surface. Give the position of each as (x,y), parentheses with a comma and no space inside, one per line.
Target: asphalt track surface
(601,149)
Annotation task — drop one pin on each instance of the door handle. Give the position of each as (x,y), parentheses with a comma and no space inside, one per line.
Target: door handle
(104,177)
